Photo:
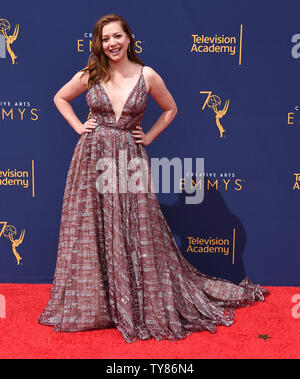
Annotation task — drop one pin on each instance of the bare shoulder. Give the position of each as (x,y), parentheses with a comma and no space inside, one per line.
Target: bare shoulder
(75,87)
(157,89)
(82,78)
(153,79)
(151,74)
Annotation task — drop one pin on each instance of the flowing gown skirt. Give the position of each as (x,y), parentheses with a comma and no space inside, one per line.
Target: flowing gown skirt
(118,265)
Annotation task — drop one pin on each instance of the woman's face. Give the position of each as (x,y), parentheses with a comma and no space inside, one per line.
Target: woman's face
(114,41)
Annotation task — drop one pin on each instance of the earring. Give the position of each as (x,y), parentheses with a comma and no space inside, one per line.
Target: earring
(128,48)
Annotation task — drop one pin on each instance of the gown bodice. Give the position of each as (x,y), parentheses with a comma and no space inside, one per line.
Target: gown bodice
(133,110)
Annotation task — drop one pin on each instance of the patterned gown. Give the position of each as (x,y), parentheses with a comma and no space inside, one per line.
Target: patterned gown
(118,265)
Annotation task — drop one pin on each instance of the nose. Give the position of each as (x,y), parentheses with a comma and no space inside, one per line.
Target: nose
(112,42)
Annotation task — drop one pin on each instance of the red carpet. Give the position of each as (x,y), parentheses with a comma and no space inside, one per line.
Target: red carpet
(23,337)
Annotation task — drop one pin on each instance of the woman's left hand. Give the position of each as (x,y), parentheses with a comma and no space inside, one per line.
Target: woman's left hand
(140,137)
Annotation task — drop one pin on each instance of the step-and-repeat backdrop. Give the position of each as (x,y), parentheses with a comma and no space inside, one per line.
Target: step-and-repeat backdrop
(232,68)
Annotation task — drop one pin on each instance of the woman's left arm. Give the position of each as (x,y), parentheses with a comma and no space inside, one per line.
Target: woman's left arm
(158,90)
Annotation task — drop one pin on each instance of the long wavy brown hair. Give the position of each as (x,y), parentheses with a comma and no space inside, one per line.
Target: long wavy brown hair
(98,64)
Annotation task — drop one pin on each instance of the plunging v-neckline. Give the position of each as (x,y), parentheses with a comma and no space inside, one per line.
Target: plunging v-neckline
(128,97)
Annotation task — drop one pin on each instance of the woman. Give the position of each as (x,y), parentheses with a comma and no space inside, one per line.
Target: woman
(118,264)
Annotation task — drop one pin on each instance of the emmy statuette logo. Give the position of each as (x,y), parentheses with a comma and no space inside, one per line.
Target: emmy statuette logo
(9,232)
(213,102)
(6,40)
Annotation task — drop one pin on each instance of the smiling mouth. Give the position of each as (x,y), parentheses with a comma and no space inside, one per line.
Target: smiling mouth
(115,51)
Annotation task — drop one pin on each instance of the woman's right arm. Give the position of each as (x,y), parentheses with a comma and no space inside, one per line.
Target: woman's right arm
(75,87)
